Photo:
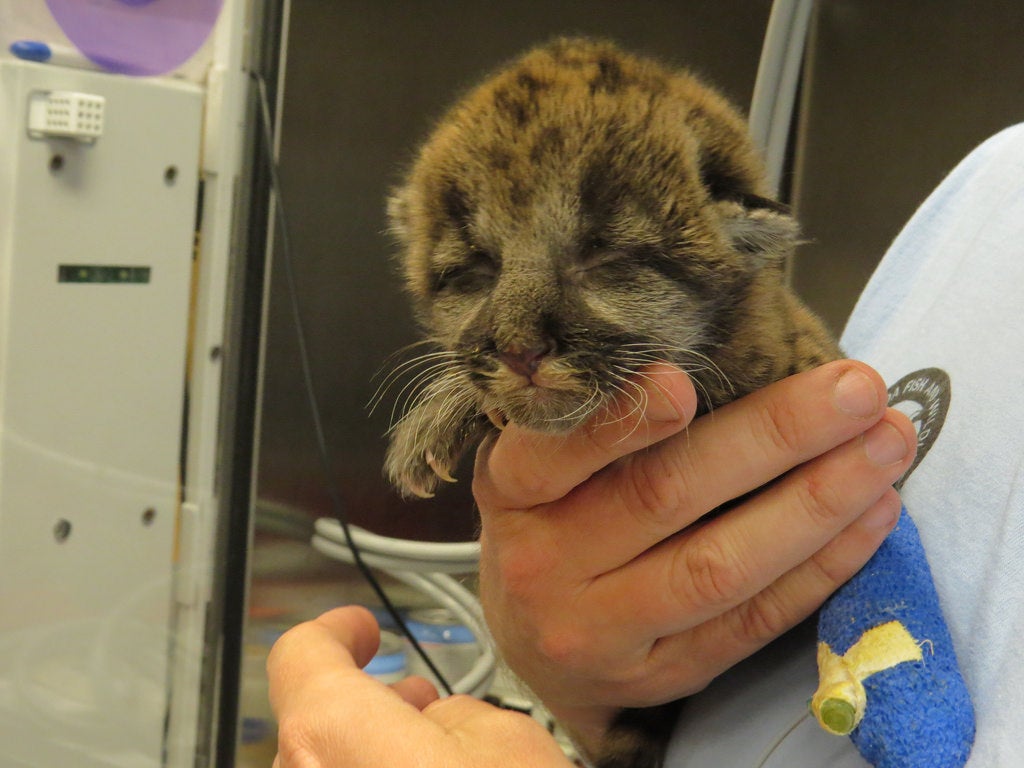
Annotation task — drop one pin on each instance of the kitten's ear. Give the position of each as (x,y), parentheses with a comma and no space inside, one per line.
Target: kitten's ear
(760,227)
(398,214)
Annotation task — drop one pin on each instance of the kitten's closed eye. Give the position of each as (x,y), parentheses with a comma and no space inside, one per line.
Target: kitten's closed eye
(598,251)
(599,255)
(606,255)
(618,264)
(476,272)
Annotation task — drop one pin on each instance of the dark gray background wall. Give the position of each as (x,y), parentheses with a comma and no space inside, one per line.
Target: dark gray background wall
(895,92)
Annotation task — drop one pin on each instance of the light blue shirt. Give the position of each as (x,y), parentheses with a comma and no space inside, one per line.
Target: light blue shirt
(948,295)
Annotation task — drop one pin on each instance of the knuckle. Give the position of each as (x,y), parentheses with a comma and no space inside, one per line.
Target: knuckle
(704,572)
(566,647)
(828,572)
(820,499)
(656,490)
(762,618)
(778,429)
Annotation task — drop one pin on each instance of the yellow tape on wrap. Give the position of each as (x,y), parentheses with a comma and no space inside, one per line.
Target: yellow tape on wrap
(840,701)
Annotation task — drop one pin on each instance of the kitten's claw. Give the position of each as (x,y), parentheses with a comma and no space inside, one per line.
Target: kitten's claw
(439,469)
(419,492)
(497,418)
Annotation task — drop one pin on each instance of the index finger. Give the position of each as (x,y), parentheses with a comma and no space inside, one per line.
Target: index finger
(522,469)
(340,641)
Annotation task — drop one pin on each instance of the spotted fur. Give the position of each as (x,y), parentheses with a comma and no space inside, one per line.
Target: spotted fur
(581,214)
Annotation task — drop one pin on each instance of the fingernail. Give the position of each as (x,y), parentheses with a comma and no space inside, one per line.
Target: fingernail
(856,395)
(884,444)
(883,515)
(661,406)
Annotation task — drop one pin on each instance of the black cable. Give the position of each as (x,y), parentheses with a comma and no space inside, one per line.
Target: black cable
(307,380)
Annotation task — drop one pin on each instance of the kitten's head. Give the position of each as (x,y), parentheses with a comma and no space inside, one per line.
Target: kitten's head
(581,213)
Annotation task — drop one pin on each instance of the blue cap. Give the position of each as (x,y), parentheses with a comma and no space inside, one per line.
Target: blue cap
(31,50)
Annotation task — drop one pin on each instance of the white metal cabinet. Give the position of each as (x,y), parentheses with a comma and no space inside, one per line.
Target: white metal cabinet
(96,258)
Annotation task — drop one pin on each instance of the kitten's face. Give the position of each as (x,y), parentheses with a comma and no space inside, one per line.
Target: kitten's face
(549,311)
(561,232)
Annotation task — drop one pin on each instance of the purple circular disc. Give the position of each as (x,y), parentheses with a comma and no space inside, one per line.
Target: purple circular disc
(137,37)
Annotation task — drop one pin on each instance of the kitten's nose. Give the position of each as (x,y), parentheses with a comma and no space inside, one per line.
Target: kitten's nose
(525,361)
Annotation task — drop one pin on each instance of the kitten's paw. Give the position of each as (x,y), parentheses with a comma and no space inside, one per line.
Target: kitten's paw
(419,458)
(426,446)
(416,474)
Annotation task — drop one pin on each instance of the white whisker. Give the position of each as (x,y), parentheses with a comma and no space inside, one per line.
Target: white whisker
(640,406)
(390,379)
(582,410)
(413,389)
(695,364)
(435,375)
(437,359)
